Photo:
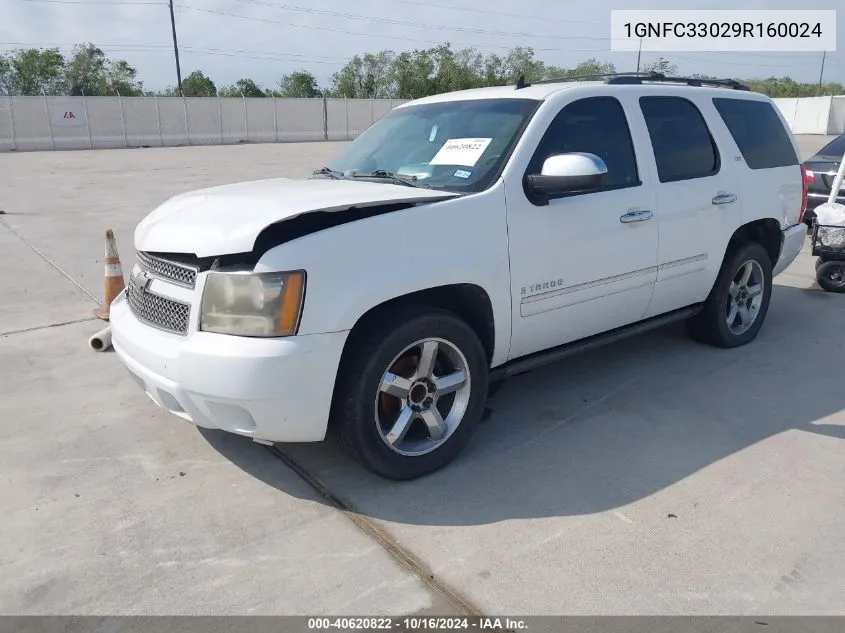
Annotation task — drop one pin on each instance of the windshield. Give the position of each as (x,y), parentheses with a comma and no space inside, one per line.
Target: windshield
(835,148)
(455,146)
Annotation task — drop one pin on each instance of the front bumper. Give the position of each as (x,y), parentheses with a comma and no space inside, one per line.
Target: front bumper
(276,390)
(793,242)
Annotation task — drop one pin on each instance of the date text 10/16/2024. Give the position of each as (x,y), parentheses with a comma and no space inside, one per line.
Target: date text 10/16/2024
(417,624)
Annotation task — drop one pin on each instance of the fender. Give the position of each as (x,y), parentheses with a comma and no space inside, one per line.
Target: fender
(355,266)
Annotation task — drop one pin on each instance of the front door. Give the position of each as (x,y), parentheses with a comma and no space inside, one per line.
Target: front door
(585,263)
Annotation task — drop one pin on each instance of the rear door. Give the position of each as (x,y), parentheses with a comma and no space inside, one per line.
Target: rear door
(766,159)
(699,196)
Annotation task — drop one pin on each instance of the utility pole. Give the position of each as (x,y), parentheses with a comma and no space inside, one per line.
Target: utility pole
(175,49)
(821,75)
(639,51)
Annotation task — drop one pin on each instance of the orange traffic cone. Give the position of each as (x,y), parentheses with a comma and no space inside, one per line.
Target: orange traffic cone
(114,276)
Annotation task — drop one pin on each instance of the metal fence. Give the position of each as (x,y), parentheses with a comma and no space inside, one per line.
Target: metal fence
(44,123)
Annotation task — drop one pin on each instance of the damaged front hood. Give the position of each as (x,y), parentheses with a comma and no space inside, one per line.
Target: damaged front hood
(228,219)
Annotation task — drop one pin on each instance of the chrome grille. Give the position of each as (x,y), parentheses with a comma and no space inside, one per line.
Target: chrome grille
(177,273)
(161,312)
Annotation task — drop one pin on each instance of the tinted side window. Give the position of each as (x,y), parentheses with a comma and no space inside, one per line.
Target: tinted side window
(758,133)
(596,125)
(683,146)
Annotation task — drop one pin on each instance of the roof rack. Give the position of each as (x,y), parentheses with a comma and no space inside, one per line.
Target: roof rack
(689,81)
(638,79)
(521,83)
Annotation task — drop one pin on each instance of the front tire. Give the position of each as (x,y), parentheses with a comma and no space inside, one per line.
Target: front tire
(411,392)
(739,301)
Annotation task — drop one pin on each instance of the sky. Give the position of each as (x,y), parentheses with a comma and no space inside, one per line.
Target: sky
(264,39)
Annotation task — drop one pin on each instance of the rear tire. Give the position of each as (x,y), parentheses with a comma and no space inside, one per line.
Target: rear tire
(411,392)
(831,276)
(739,301)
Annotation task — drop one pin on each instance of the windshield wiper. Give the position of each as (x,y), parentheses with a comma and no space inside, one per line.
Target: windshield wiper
(326,171)
(383,174)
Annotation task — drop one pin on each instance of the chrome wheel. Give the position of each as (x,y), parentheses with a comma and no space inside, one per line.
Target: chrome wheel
(422,397)
(745,297)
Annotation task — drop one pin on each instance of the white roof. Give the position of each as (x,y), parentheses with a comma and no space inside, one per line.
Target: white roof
(537,91)
(540,92)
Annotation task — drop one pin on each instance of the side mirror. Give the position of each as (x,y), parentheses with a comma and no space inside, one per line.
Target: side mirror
(567,173)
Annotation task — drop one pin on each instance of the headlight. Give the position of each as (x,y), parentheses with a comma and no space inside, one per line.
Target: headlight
(252,304)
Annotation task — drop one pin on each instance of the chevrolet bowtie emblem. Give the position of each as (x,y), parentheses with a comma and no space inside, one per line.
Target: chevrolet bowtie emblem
(142,279)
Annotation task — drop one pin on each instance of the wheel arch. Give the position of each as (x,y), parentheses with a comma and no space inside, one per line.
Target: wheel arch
(468,301)
(766,232)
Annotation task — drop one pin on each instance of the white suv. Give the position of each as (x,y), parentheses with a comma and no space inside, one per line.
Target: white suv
(462,238)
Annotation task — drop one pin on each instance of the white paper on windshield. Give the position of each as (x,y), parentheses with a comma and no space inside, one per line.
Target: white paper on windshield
(461,151)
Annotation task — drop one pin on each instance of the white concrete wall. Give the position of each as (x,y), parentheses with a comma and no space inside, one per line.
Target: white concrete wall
(814,115)
(837,116)
(41,123)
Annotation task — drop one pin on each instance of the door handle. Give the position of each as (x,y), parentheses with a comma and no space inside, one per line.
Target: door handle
(636,216)
(724,198)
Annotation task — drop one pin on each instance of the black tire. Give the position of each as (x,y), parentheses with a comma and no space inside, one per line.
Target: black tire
(375,345)
(820,261)
(711,325)
(831,276)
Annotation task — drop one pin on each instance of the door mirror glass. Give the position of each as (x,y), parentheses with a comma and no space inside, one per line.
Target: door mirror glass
(568,173)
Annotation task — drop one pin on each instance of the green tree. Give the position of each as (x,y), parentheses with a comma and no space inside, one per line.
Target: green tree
(662,66)
(121,79)
(366,77)
(243,87)
(33,72)
(413,75)
(5,75)
(195,85)
(300,84)
(521,61)
(457,70)
(493,73)
(592,66)
(85,70)
(90,72)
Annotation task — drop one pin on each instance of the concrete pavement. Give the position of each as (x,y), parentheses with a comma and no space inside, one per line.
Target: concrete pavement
(656,476)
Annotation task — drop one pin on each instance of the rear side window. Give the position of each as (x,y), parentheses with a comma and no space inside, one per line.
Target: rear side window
(683,146)
(758,132)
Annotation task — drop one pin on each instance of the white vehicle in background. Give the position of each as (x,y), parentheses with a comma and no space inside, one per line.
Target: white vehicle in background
(463,238)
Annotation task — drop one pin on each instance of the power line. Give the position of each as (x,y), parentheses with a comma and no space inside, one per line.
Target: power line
(266,59)
(112,2)
(355,16)
(247,52)
(502,13)
(393,37)
(258,55)
(158,48)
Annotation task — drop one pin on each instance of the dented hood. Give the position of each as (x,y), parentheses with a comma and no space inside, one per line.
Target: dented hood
(228,219)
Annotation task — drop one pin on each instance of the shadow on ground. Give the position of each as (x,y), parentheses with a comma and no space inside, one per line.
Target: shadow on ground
(610,427)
